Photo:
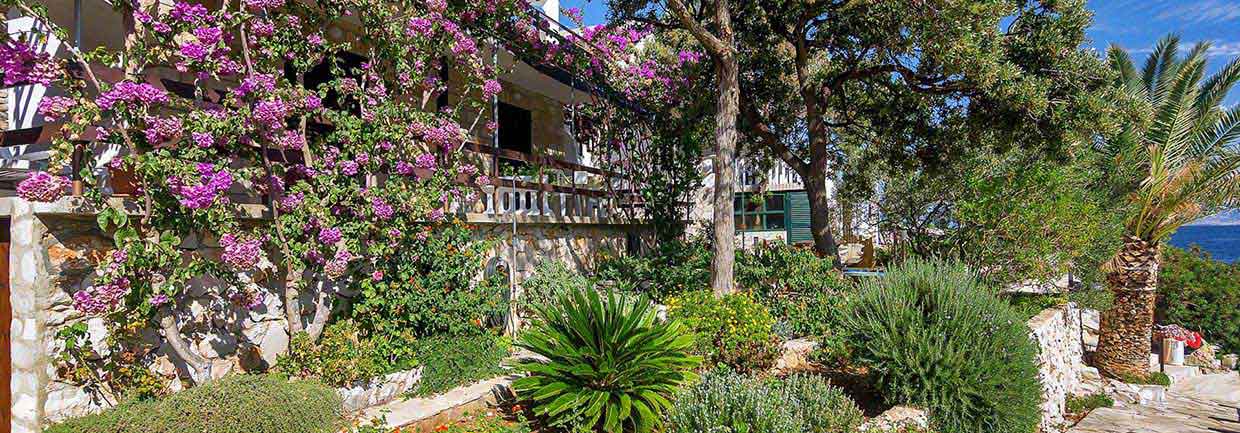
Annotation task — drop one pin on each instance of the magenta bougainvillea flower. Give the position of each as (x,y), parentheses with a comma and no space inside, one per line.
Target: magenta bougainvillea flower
(42,186)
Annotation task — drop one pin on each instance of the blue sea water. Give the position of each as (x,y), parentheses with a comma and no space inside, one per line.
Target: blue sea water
(1221,241)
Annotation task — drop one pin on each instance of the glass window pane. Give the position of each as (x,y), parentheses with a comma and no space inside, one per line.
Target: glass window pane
(775,202)
(737,205)
(752,222)
(775,221)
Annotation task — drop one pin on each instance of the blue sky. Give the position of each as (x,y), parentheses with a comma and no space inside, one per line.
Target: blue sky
(1134,24)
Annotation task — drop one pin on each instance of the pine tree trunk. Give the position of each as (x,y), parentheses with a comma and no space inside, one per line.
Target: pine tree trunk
(820,214)
(725,155)
(1124,346)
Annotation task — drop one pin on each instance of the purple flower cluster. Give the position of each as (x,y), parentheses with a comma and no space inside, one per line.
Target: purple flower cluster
(447,134)
(127,91)
(381,209)
(100,299)
(418,26)
(241,253)
(188,12)
(161,129)
(263,4)
(291,202)
(214,184)
(20,64)
(158,299)
(271,113)
(491,88)
(53,108)
(425,161)
(255,83)
(436,215)
(43,187)
(203,139)
(291,140)
(347,168)
(404,168)
(329,235)
(339,265)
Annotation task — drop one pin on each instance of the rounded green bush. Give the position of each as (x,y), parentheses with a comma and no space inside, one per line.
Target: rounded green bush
(235,404)
(727,402)
(934,336)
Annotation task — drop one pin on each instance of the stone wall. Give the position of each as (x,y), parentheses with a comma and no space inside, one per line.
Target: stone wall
(54,254)
(1057,331)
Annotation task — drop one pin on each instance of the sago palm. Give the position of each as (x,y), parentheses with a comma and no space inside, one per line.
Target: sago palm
(610,364)
(1173,162)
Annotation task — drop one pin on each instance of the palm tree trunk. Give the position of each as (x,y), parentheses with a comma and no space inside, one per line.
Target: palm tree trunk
(1124,346)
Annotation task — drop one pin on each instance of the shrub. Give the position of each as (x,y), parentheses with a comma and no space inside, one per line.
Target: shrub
(726,402)
(1086,403)
(430,289)
(339,358)
(802,291)
(823,408)
(1201,294)
(449,362)
(610,365)
(934,337)
(235,404)
(733,329)
(550,280)
(672,268)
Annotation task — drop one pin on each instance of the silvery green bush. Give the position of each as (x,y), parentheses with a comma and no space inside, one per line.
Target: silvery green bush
(727,402)
(934,336)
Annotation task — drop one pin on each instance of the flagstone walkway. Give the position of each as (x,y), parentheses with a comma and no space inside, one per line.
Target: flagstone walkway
(1202,404)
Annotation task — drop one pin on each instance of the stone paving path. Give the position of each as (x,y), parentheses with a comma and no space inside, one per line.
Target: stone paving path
(1203,404)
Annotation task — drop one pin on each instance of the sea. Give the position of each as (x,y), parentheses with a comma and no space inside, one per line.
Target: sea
(1221,241)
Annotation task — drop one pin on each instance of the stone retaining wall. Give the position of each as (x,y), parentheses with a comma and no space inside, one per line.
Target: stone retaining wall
(1057,331)
(54,254)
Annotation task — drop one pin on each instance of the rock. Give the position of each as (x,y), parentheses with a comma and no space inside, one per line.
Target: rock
(1230,361)
(217,345)
(379,390)
(1151,395)
(795,355)
(898,418)
(1206,358)
(273,344)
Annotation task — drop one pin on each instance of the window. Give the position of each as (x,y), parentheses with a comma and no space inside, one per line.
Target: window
(515,131)
(760,211)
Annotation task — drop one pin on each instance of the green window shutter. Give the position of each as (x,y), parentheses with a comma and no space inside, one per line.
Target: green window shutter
(798,217)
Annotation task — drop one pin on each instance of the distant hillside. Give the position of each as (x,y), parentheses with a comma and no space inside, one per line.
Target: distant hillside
(1224,218)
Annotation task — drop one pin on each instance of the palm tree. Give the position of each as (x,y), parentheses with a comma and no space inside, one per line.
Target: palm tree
(1173,162)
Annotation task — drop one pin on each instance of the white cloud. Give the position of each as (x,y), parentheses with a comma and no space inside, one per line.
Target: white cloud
(1217,49)
(1203,11)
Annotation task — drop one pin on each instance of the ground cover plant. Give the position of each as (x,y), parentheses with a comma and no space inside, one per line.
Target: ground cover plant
(235,404)
(448,362)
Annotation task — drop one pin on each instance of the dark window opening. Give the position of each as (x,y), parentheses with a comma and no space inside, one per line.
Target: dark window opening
(755,212)
(349,65)
(515,132)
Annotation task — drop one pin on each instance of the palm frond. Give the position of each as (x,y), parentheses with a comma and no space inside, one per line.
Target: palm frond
(1186,160)
(1163,58)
